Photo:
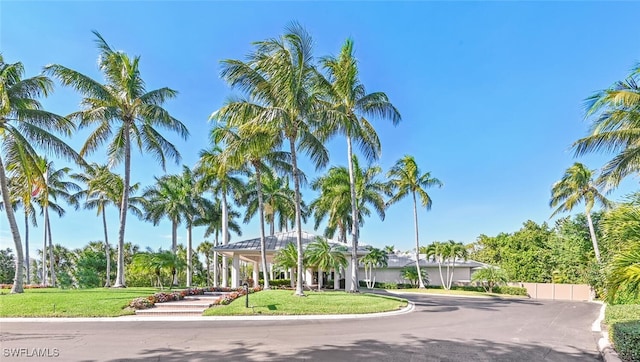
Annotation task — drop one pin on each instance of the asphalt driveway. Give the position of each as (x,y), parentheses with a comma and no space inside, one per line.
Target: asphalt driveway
(439,329)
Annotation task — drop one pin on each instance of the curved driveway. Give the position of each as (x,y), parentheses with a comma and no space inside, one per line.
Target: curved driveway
(439,329)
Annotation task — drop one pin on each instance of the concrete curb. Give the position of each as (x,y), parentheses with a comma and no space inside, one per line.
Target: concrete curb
(408,309)
(604,345)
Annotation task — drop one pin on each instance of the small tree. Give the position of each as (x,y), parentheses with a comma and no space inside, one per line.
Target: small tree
(490,277)
(411,274)
(7,266)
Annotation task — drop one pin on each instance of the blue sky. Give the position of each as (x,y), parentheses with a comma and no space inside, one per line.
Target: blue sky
(491,93)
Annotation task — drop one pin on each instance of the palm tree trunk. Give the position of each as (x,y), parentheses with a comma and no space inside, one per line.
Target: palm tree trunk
(45,270)
(453,269)
(13,225)
(448,283)
(208,261)
(107,249)
(174,247)
(52,261)
(319,278)
(440,259)
(592,232)
(26,243)
(272,226)
(263,244)
(124,206)
(415,220)
(215,268)
(225,238)
(189,255)
(354,221)
(296,187)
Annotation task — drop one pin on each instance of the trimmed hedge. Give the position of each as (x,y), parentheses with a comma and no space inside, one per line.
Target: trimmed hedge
(277,283)
(626,340)
(510,290)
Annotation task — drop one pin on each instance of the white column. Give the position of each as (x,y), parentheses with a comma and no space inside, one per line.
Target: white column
(270,267)
(256,275)
(336,279)
(235,271)
(308,276)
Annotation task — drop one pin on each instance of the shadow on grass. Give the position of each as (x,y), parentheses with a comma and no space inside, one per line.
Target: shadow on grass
(411,348)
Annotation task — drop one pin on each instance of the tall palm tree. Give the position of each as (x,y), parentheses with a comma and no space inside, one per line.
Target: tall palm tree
(55,188)
(325,257)
(23,126)
(576,186)
(123,110)
(278,199)
(254,149)
(349,105)
(406,179)
(376,258)
(437,251)
(165,199)
(104,188)
(23,189)
(453,251)
(217,175)
(211,217)
(281,81)
(615,128)
(206,248)
(287,258)
(335,197)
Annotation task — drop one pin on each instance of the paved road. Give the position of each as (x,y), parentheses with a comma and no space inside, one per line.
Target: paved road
(440,329)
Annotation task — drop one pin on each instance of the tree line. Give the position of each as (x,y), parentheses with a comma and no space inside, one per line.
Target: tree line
(291,104)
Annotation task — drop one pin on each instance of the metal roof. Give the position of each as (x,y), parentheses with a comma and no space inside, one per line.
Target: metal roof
(279,241)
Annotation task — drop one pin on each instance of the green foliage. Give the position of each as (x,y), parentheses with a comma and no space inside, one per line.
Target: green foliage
(90,268)
(7,266)
(626,340)
(490,277)
(503,289)
(276,283)
(410,273)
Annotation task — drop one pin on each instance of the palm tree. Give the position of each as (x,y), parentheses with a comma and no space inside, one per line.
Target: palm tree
(490,277)
(287,258)
(326,257)
(615,128)
(123,109)
(104,188)
(376,258)
(55,187)
(453,250)
(278,199)
(255,149)
(281,82)
(165,199)
(389,249)
(23,126)
(577,186)
(211,217)
(437,251)
(217,175)
(23,189)
(349,105)
(335,197)
(206,248)
(406,178)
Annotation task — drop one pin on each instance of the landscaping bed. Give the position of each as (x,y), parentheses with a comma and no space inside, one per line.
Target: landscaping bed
(624,330)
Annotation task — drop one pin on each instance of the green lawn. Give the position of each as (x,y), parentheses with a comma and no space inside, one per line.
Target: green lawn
(52,302)
(283,302)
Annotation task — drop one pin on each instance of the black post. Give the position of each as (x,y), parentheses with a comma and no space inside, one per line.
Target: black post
(246,291)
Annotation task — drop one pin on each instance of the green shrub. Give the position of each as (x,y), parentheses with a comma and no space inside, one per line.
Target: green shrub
(621,313)
(510,290)
(278,282)
(626,340)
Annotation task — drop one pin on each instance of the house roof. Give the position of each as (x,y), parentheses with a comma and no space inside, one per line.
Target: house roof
(279,241)
(400,261)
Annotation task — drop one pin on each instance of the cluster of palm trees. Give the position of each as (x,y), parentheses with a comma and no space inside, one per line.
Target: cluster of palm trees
(290,105)
(615,129)
(446,253)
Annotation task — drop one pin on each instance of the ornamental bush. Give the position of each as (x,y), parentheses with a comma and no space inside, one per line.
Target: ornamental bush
(626,340)
(511,290)
(141,303)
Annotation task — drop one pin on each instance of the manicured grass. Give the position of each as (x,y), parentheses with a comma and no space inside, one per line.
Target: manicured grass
(283,302)
(458,292)
(52,302)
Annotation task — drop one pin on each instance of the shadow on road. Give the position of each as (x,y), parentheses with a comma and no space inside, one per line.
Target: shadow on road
(412,349)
